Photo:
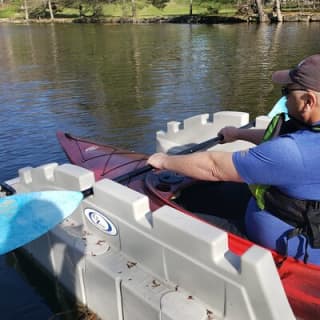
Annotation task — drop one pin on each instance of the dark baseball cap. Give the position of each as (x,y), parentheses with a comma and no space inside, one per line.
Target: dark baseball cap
(306,74)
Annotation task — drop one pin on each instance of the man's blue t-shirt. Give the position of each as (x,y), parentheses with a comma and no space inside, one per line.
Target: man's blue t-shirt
(292,164)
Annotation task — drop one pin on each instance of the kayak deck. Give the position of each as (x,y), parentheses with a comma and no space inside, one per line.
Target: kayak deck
(301,281)
(109,161)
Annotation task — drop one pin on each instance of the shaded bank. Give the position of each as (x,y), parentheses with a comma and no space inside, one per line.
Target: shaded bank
(192,19)
(204,19)
(183,19)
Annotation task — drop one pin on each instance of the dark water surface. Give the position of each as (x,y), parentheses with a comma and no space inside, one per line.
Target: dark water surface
(119,84)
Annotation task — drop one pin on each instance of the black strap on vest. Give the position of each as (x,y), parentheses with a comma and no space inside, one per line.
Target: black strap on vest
(293,124)
(303,215)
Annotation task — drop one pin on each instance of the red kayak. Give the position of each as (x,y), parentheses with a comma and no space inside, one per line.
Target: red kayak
(301,281)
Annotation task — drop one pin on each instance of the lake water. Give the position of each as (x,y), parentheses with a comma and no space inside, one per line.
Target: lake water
(119,84)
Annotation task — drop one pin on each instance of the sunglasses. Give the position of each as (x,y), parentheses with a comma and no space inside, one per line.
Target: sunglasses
(285,91)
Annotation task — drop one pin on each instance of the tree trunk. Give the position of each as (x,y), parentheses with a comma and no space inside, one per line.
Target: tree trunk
(277,9)
(50,10)
(26,12)
(134,9)
(190,11)
(262,16)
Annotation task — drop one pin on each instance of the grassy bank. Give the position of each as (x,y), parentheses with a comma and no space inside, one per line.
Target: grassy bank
(143,10)
(9,11)
(173,11)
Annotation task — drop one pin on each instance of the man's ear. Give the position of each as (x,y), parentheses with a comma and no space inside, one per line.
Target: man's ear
(311,98)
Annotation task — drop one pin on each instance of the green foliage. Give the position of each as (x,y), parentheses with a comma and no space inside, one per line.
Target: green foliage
(97,10)
(69,3)
(213,9)
(144,8)
(160,4)
(67,13)
(38,12)
(141,4)
(112,10)
(150,10)
(10,10)
(13,3)
(7,12)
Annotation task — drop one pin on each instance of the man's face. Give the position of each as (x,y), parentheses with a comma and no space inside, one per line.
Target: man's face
(295,101)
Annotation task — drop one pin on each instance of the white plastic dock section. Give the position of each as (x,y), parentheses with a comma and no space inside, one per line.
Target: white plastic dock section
(200,128)
(128,263)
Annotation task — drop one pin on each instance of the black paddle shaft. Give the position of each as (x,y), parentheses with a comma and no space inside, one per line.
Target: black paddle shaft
(198,147)
(7,189)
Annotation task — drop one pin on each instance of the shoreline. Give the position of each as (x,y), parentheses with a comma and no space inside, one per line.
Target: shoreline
(194,19)
(184,19)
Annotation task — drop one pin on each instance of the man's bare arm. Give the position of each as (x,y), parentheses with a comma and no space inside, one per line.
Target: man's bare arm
(211,166)
(231,134)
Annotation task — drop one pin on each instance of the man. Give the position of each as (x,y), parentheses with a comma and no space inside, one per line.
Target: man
(284,169)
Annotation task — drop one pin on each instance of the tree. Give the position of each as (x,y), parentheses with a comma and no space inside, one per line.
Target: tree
(134,9)
(160,4)
(26,11)
(262,16)
(50,10)
(277,10)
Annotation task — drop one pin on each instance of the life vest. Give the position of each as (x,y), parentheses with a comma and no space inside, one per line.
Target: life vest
(303,215)
(273,130)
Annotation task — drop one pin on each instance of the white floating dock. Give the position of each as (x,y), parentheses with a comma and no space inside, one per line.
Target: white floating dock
(200,128)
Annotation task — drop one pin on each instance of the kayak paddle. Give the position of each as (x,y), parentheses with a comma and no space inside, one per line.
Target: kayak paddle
(26,216)
(279,107)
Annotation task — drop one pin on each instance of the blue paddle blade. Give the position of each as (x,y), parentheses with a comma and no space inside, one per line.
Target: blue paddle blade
(279,107)
(25,217)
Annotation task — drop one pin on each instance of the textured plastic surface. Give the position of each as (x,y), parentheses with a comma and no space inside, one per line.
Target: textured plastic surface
(151,265)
